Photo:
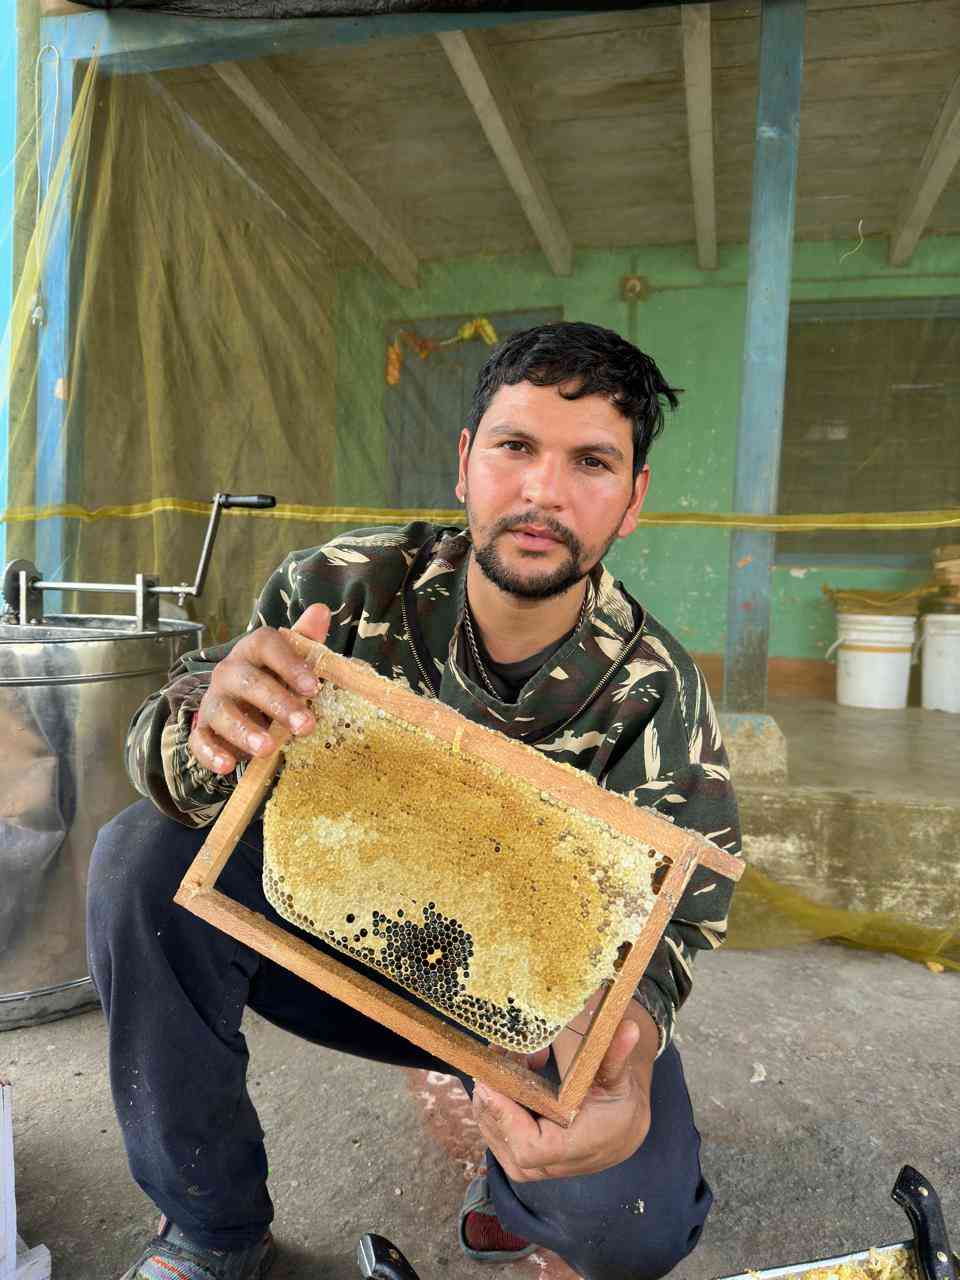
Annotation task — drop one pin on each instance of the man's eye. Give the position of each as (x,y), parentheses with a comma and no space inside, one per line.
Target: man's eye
(594,464)
(513,445)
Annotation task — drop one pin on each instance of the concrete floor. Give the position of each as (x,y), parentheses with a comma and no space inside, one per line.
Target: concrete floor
(911,755)
(815,1074)
(860,1056)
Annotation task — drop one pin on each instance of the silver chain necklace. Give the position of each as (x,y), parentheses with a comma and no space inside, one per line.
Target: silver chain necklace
(475,648)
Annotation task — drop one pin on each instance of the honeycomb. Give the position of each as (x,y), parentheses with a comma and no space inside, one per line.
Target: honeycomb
(887,1264)
(493,902)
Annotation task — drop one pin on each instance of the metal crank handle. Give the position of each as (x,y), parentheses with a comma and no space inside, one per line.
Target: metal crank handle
(381,1260)
(220,503)
(260,500)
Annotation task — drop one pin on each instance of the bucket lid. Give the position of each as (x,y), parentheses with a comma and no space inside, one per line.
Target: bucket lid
(882,621)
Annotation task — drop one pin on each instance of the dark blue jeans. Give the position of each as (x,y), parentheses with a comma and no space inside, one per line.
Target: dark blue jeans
(174,990)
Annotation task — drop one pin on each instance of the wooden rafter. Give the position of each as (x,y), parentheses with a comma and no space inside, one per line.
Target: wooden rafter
(477,70)
(938,163)
(260,89)
(698,82)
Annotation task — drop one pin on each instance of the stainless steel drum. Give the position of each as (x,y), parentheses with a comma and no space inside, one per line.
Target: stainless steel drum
(67,692)
(68,687)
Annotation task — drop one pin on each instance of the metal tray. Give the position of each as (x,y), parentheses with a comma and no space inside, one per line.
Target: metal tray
(820,1264)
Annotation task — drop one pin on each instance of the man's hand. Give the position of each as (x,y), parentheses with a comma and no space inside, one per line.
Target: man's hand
(612,1123)
(261,679)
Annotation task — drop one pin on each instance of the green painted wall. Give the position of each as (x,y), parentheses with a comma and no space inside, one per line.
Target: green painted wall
(692,324)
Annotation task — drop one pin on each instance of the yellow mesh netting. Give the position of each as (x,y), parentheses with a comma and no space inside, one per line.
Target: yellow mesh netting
(767,914)
(231,328)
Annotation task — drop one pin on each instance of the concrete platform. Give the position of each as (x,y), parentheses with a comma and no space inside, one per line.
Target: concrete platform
(910,755)
(815,1073)
(869,818)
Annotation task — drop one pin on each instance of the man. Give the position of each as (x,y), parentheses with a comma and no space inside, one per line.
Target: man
(517,625)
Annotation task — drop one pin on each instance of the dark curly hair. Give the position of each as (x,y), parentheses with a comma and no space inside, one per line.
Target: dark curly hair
(596,361)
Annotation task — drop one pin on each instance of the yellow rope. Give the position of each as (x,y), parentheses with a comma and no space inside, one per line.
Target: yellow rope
(361,516)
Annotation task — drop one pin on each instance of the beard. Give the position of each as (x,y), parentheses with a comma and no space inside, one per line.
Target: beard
(538,586)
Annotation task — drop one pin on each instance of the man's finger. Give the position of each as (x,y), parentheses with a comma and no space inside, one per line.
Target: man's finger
(501,1151)
(532,1143)
(269,650)
(239,729)
(253,689)
(314,622)
(611,1075)
(513,1121)
(212,752)
(488,1114)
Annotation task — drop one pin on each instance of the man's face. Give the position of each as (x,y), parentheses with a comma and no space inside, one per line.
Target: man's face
(548,485)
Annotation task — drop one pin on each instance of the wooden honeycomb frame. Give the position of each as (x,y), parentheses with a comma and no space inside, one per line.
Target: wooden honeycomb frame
(487,1063)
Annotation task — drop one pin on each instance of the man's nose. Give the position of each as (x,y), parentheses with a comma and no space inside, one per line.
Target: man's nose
(543,484)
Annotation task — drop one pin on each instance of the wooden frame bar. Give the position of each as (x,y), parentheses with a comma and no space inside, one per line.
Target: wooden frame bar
(267,98)
(939,162)
(698,84)
(475,66)
(493,1066)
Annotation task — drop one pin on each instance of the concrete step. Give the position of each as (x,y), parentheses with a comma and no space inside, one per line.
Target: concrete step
(857,850)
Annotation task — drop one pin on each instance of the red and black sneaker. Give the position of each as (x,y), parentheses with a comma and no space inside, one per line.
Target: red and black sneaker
(482,1237)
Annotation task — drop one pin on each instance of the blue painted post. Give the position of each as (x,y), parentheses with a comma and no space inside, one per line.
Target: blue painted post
(55,335)
(8,182)
(760,427)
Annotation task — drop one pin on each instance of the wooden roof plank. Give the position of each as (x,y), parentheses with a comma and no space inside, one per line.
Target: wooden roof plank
(483,84)
(938,163)
(698,83)
(260,89)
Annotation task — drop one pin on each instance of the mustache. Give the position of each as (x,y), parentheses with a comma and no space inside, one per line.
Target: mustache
(560,531)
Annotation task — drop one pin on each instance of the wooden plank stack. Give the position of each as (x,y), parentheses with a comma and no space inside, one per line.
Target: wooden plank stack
(946,570)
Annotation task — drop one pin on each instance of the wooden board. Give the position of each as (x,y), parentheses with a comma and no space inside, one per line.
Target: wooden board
(8,1201)
(17,1262)
(684,849)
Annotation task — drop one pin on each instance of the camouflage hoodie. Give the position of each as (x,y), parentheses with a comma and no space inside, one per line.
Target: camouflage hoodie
(620,699)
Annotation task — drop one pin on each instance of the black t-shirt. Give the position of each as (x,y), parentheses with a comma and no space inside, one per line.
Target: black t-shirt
(508,678)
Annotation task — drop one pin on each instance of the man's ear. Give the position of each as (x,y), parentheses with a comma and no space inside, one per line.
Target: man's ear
(464,450)
(640,486)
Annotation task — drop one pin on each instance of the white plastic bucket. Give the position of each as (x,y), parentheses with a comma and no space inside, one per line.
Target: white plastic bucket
(874,652)
(940,680)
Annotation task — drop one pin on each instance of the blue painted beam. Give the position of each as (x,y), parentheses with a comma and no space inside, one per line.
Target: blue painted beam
(129,41)
(8,183)
(54,338)
(760,425)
